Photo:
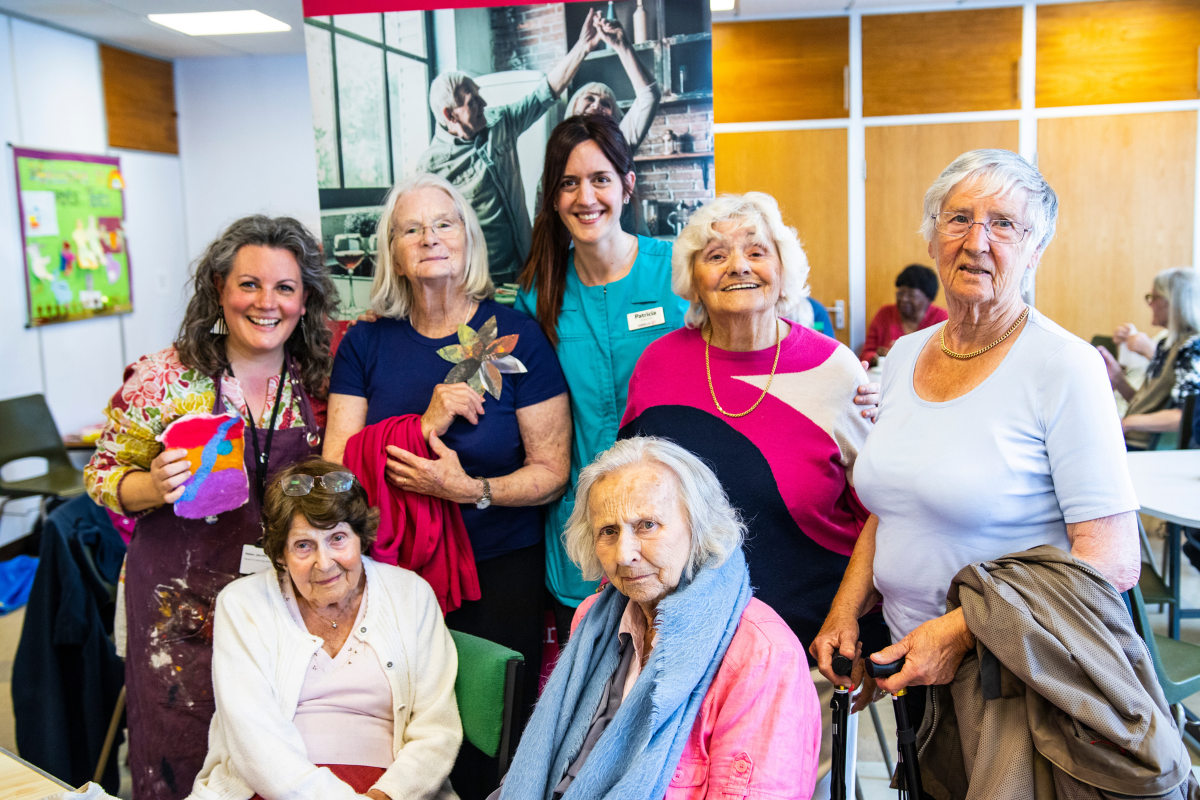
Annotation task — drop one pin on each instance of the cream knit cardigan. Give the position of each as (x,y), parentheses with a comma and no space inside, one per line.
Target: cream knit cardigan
(260,657)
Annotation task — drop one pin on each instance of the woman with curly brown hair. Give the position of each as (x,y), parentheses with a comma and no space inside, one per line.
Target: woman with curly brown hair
(254,345)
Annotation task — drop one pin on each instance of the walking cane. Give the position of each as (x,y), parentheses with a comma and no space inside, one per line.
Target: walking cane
(908,771)
(841,716)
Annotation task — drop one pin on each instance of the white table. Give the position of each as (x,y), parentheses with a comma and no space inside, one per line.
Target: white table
(1167,485)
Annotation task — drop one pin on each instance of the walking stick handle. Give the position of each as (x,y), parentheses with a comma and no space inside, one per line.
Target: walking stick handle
(885,670)
(842,666)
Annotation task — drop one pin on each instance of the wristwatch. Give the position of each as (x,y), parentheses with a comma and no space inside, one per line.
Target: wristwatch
(486,500)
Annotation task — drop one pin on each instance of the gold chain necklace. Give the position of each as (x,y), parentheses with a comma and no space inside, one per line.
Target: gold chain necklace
(761,397)
(965,356)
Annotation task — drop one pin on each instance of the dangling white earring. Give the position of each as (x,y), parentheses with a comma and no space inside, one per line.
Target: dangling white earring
(626,201)
(219,327)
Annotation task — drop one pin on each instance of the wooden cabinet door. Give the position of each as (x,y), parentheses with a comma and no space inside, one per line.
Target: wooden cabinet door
(902,163)
(1121,51)
(1126,194)
(940,62)
(780,70)
(806,172)
(139,101)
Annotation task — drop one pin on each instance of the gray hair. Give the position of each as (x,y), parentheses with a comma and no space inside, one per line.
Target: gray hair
(716,526)
(391,294)
(443,93)
(761,212)
(600,89)
(999,172)
(1181,287)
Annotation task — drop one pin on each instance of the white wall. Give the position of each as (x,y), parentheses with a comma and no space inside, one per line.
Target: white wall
(246,142)
(246,146)
(51,97)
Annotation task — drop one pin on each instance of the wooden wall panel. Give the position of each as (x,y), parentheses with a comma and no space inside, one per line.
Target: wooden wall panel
(942,61)
(139,100)
(902,162)
(1126,210)
(806,172)
(1121,51)
(780,70)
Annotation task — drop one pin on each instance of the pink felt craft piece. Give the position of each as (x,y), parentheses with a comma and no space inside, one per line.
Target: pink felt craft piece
(215,446)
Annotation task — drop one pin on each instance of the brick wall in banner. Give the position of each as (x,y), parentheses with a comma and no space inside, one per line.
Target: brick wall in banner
(528,37)
(685,178)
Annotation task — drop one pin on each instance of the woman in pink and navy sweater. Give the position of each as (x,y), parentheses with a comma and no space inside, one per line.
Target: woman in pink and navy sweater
(768,403)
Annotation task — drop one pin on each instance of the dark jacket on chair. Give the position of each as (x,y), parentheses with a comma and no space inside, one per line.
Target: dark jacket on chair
(1059,698)
(66,676)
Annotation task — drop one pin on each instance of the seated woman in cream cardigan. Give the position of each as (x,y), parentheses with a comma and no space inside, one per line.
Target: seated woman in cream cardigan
(333,674)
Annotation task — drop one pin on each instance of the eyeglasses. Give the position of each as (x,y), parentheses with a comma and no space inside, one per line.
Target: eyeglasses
(300,485)
(444,229)
(1150,298)
(1001,231)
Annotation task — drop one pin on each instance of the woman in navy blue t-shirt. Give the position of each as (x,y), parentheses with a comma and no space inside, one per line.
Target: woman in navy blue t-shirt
(499,457)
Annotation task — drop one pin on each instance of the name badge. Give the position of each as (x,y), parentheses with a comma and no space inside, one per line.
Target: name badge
(646,319)
(254,559)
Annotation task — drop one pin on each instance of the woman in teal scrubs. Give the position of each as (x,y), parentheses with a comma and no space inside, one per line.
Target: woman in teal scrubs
(601,296)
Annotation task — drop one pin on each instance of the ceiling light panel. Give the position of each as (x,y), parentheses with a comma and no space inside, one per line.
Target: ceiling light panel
(221,23)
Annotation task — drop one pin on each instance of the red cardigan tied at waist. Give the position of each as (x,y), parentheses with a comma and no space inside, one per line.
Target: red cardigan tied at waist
(416,531)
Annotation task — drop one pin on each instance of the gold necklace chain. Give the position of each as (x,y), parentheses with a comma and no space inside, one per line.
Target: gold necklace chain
(761,397)
(965,356)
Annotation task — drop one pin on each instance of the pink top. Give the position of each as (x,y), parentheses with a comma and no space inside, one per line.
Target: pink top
(886,328)
(758,733)
(345,709)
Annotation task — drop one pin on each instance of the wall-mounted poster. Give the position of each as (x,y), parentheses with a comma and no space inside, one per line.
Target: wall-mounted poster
(76,260)
(471,89)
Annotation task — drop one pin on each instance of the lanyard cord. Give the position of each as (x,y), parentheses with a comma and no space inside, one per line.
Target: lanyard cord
(261,458)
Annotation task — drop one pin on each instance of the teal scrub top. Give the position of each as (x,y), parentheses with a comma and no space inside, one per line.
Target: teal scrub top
(602,332)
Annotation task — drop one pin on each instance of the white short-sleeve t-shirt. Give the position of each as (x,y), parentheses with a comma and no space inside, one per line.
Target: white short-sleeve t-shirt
(1001,469)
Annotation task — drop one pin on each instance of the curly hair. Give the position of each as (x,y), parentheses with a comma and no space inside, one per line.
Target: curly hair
(309,343)
(321,508)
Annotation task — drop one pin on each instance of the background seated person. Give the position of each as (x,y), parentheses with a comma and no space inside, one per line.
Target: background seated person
(676,637)
(1174,370)
(329,659)
(916,289)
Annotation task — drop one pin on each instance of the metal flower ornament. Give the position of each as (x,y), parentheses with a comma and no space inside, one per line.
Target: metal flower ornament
(480,359)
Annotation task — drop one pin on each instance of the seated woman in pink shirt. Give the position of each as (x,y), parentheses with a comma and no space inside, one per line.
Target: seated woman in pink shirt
(676,683)
(333,674)
(916,289)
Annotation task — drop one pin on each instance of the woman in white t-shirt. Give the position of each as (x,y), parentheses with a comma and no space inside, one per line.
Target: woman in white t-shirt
(997,433)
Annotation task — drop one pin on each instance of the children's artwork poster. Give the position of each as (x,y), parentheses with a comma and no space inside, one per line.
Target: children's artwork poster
(76,258)
(458,88)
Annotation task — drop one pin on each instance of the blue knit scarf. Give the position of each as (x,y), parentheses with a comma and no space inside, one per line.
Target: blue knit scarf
(636,756)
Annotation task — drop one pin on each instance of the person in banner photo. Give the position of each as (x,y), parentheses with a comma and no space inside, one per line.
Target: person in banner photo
(475,148)
(252,350)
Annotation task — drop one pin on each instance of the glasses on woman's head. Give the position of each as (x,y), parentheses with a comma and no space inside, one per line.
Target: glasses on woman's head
(300,485)
(956,225)
(413,232)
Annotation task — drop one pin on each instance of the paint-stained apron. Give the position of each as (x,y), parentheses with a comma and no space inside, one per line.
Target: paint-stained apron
(174,569)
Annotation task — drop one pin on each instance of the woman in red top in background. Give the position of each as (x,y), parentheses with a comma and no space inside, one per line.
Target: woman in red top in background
(916,289)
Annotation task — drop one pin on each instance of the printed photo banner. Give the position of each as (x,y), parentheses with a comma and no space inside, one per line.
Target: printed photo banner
(76,261)
(375,69)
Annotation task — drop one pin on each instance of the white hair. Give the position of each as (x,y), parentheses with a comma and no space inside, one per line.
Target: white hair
(998,172)
(760,212)
(716,526)
(391,294)
(1181,287)
(597,88)
(443,93)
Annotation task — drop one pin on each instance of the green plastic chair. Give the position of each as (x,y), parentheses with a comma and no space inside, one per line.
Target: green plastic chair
(27,430)
(1176,663)
(488,690)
